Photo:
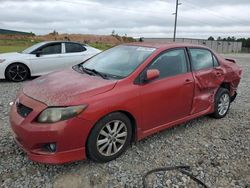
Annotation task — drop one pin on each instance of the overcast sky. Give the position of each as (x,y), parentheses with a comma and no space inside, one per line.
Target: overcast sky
(137,18)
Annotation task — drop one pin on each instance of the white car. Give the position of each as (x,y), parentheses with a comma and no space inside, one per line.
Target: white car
(43,58)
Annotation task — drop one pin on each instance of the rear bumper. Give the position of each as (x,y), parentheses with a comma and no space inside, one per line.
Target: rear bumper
(69,136)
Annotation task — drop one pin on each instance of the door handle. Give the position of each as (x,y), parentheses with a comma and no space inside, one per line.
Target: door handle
(218,74)
(188,81)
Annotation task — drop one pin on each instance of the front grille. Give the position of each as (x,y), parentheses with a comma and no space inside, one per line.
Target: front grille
(22,110)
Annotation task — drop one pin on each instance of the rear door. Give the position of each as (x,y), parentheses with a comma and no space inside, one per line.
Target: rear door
(169,97)
(208,76)
(73,54)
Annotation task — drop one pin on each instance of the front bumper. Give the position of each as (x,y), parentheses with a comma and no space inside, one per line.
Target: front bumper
(69,136)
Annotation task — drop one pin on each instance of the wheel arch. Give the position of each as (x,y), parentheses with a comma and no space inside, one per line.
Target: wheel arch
(225,85)
(126,113)
(133,123)
(17,62)
(218,94)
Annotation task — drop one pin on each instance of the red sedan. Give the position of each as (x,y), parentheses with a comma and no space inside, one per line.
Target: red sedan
(97,108)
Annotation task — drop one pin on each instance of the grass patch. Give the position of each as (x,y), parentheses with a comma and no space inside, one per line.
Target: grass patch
(5,49)
(100,46)
(17,45)
(18,42)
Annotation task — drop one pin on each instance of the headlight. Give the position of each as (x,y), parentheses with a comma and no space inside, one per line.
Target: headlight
(52,115)
(2,60)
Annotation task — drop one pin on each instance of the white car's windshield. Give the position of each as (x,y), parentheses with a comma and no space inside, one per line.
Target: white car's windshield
(32,48)
(119,61)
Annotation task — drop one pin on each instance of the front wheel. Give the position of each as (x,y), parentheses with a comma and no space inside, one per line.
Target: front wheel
(222,103)
(109,138)
(17,72)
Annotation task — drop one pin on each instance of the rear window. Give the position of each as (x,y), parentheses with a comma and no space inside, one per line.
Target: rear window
(216,63)
(74,48)
(201,59)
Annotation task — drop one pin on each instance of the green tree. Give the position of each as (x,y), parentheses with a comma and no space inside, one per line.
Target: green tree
(113,33)
(210,38)
(245,42)
(219,38)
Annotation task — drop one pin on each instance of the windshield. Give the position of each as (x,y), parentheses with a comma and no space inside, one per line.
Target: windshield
(119,61)
(32,48)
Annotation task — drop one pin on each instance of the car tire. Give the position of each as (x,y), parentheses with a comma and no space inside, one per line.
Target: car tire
(17,72)
(109,138)
(221,103)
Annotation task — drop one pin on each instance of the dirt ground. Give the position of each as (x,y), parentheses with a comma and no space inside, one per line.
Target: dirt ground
(85,38)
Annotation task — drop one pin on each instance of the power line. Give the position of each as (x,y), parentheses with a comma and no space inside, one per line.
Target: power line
(116,9)
(215,13)
(87,3)
(188,21)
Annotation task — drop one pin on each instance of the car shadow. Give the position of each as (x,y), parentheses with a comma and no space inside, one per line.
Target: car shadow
(7,81)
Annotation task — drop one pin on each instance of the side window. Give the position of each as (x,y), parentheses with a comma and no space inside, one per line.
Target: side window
(74,48)
(201,59)
(51,49)
(171,63)
(216,63)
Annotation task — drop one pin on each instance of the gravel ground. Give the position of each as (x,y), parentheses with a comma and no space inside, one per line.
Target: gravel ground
(218,152)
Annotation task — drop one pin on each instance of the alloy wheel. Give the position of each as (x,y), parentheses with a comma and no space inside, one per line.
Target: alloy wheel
(223,105)
(112,138)
(17,73)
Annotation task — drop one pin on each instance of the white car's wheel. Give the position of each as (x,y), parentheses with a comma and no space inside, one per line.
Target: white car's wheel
(17,72)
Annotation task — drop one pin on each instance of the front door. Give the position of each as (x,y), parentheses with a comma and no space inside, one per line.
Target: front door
(170,97)
(48,60)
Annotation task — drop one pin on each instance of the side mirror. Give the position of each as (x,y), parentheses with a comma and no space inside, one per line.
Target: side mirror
(152,74)
(38,53)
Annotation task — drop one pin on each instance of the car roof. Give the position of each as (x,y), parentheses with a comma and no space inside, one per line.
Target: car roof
(166,45)
(59,41)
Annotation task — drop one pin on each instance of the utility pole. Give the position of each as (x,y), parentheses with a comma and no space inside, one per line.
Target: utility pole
(176,16)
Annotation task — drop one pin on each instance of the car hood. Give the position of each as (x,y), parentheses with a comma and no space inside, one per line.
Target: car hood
(12,55)
(67,87)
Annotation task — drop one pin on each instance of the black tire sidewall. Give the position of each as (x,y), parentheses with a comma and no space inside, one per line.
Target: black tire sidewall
(92,150)
(7,74)
(220,92)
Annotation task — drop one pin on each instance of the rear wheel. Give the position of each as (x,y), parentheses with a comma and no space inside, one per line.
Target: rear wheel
(17,72)
(222,103)
(109,138)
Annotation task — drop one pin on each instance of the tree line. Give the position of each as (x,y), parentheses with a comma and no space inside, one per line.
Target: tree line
(245,41)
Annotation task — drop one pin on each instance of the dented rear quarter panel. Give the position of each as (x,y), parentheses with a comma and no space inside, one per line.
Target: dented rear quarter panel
(208,81)
(233,73)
